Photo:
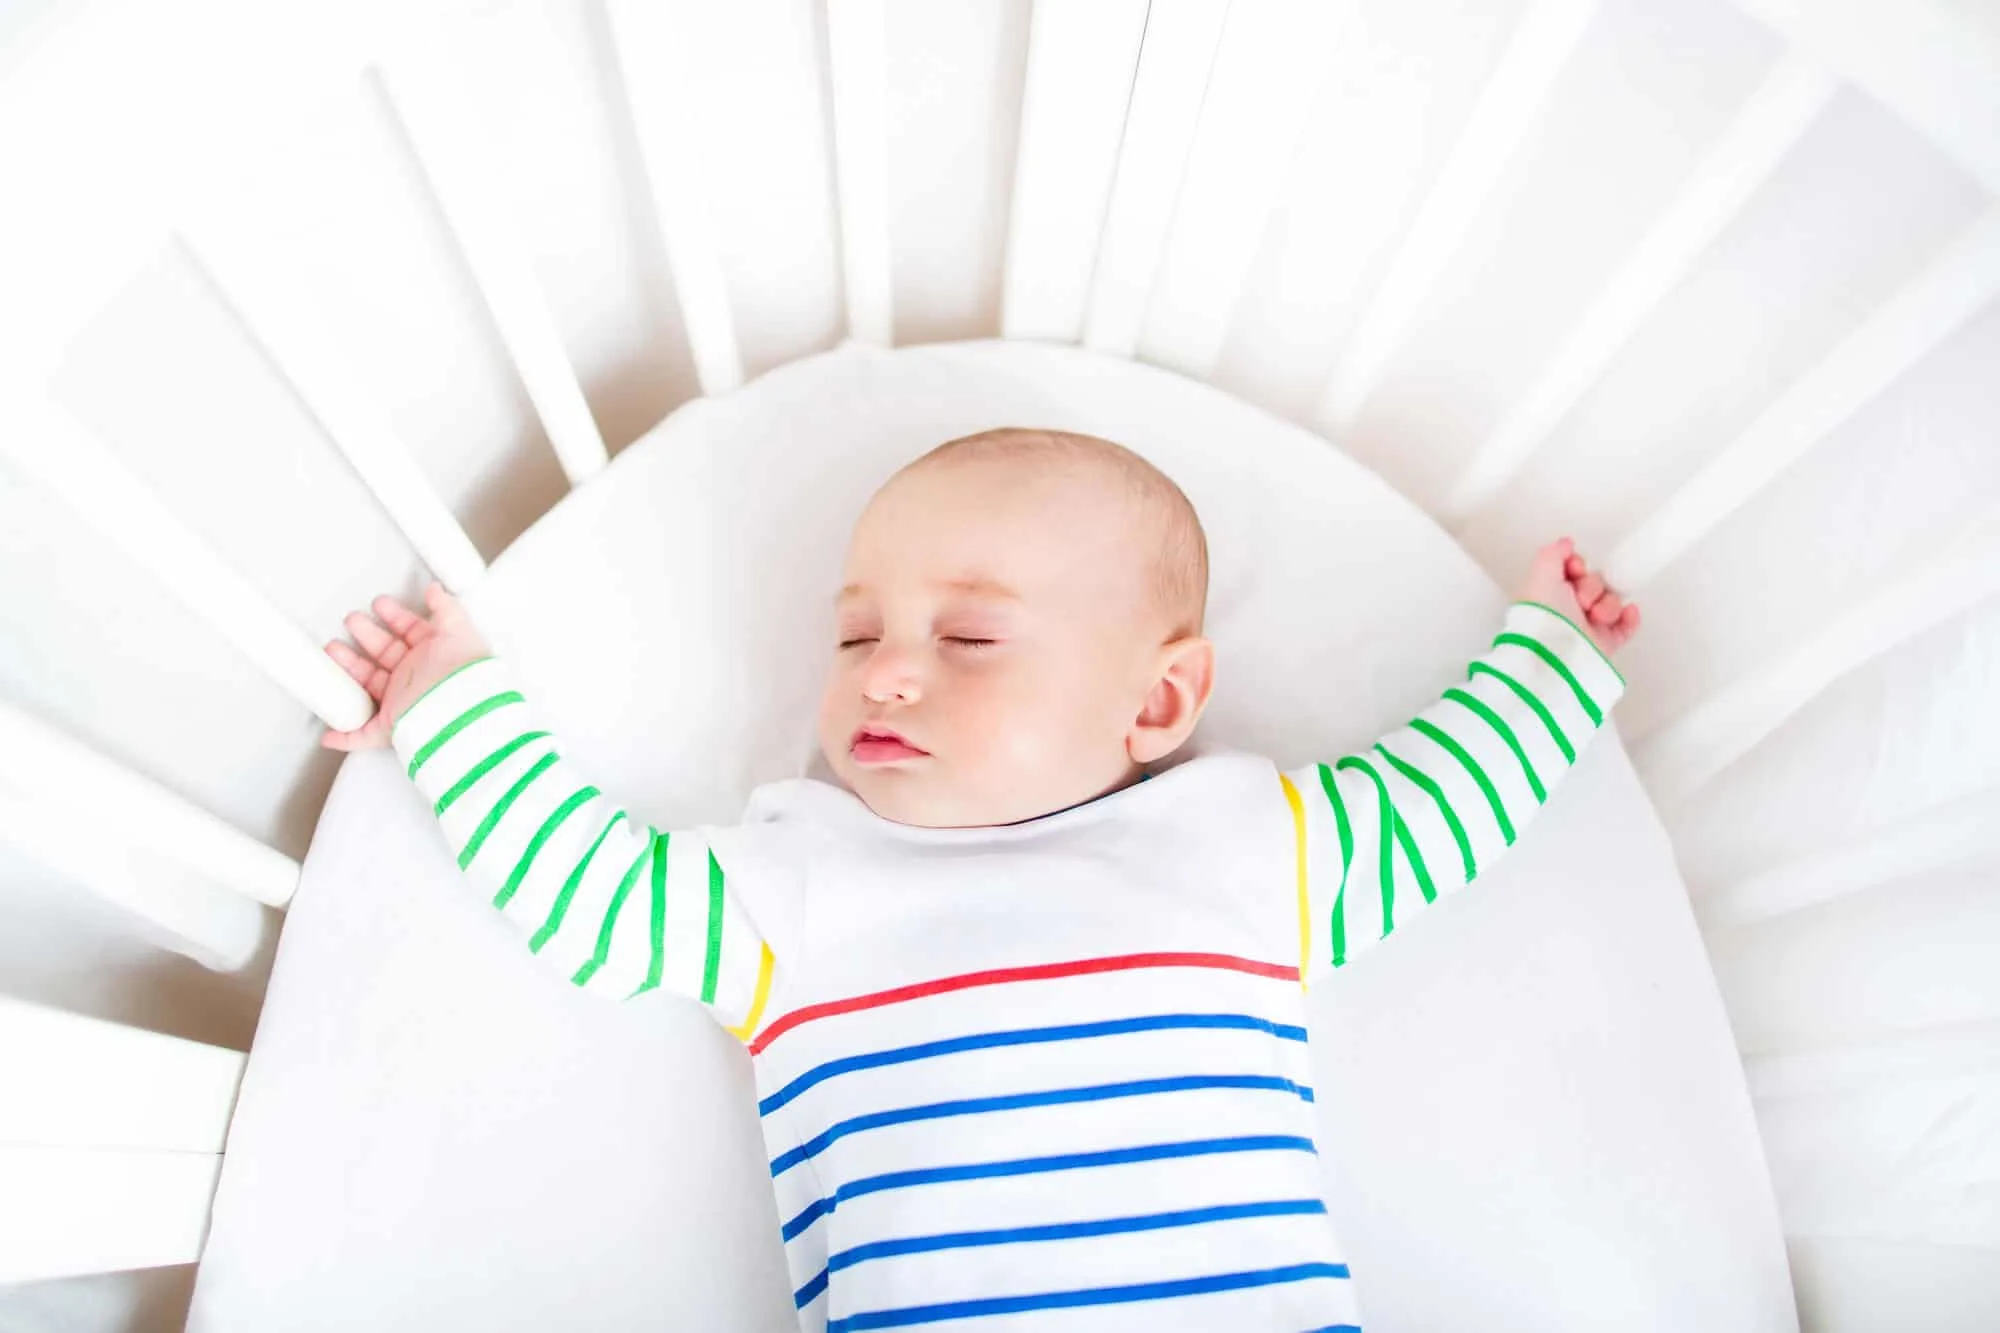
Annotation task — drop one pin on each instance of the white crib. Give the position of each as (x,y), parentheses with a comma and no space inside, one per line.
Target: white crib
(1708,283)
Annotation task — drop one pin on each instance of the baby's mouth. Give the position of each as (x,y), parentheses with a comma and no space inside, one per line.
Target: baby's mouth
(880,745)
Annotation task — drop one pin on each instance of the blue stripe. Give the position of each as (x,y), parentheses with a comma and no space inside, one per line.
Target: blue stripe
(1337,1328)
(1101,1092)
(809,1293)
(1028,1166)
(1068,1300)
(1024,1037)
(1109,1226)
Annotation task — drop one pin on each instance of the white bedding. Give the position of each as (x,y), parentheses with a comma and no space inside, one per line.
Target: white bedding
(1533,1116)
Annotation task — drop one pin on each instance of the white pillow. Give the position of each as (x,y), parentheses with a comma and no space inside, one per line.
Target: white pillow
(1533,1114)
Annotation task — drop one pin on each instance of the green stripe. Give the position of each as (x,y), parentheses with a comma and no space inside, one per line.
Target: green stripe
(1471,765)
(1527,697)
(499,811)
(434,687)
(1338,924)
(610,926)
(1606,657)
(482,768)
(549,825)
(1392,826)
(561,906)
(713,965)
(1541,650)
(659,963)
(460,723)
(1506,733)
(1423,779)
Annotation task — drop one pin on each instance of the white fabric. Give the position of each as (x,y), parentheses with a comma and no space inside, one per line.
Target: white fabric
(1532,1113)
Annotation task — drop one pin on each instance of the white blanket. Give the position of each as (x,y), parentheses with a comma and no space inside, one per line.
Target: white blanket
(1533,1114)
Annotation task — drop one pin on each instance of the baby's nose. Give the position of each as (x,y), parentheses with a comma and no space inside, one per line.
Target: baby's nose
(890,677)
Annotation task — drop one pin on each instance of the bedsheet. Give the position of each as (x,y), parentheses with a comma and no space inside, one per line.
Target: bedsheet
(1532,1116)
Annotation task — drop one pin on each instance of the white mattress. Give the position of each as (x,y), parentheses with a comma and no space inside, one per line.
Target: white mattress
(1534,1116)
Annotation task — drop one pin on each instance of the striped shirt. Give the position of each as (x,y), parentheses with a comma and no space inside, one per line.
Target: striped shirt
(1055,1071)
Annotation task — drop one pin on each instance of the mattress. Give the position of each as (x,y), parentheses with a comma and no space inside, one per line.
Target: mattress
(1532,1111)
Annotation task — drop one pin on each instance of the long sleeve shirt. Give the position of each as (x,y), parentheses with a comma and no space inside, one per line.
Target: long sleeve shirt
(1053,1070)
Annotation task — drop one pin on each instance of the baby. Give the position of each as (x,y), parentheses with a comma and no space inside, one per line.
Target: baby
(1025,1006)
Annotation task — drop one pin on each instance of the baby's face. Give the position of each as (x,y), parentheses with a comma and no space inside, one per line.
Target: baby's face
(996,642)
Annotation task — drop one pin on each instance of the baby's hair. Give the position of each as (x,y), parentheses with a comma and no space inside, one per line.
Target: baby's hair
(1180,571)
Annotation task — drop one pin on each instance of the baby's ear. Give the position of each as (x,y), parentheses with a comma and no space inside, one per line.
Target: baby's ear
(1184,677)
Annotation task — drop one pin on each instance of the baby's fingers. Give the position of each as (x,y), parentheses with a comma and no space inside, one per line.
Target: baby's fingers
(404,623)
(376,642)
(366,673)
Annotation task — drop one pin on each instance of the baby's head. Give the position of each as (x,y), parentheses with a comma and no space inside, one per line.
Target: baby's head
(1023,609)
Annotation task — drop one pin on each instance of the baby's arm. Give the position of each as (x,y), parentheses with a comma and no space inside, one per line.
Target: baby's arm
(614,905)
(1433,804)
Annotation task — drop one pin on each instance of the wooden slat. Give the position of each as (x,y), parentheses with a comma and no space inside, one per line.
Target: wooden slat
(252,279)
(857,52)
(1494,132)
(1681,756)
(1081,63)
(1954,832)
(434,108)
(1927,310)
(37,759)
(186,913)
(1174,61)
(1920,58)
(1771,121)
(1932,1053)
(85,1083)
(67,1211)
(51,447)
(1271,61)
(650,53)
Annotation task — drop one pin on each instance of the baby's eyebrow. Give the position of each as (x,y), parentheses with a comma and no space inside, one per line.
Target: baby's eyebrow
(983,587)
(990,589)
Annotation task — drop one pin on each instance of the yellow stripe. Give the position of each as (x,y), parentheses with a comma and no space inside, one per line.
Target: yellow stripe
(763,993)
(1299,837)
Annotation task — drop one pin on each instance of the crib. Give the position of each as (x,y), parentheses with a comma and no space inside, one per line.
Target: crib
(1709,284)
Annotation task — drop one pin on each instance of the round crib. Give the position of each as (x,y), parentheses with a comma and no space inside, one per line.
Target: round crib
(300,303)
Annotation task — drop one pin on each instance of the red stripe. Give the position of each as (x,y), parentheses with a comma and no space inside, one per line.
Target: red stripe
(1002,975)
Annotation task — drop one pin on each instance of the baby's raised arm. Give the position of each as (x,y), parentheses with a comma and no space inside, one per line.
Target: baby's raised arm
(1434,803)
(614,905)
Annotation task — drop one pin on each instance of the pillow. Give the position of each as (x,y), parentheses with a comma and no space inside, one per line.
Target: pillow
(1533,1115)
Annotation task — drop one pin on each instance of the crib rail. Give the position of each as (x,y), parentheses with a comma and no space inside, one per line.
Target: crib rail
(1159,143)
(110,1143)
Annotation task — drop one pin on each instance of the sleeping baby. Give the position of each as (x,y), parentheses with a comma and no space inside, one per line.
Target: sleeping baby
(1024,997)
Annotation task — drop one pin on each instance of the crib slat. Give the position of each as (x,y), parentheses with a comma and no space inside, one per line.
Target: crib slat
(1081,63)
(1771,121)
(650,53)
(431,105)
(1917,58)
(1953,832)
(1174,62)
(1974,1049)
(1927,310)
(1494,132)
(857,53)
(1269,65)
(50,446)
(37,758)
(84,1083)
(187,914)
(1679,757)
(68,1211)
(251,280)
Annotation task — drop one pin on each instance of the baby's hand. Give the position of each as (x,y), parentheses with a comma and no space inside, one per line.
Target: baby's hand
(396,665)
(1560,579)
